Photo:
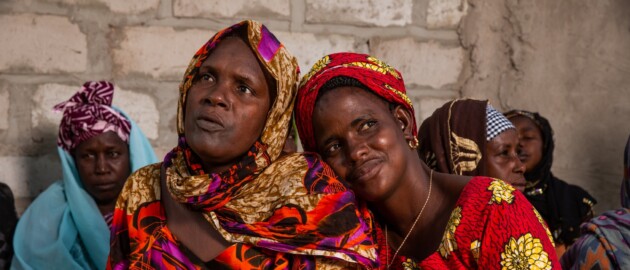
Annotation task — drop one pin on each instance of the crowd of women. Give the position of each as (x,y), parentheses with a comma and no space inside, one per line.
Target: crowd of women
(468,188)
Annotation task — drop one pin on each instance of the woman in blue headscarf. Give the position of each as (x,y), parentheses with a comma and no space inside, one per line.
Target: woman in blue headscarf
(67,226)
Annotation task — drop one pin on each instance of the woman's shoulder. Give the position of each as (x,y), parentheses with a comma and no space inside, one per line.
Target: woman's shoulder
(572,192)
(51,198)
(486,192)
(142,186)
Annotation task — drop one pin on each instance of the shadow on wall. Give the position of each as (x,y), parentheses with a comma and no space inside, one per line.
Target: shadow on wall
(39,171)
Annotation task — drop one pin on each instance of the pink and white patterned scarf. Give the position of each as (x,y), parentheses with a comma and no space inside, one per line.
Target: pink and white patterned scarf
(89,113)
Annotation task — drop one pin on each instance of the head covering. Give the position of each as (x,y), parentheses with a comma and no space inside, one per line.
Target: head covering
(563,206)
(378,77)
(605,239)
(89,113)
(63,227)
(453,138)
(292,205)
(496,123)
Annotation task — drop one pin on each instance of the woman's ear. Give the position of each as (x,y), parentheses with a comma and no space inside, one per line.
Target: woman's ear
(404,118)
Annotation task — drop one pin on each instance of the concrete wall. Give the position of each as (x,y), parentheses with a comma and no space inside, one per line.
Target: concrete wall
(445,49)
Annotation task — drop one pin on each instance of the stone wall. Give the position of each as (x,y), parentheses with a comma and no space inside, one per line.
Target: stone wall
(444,48)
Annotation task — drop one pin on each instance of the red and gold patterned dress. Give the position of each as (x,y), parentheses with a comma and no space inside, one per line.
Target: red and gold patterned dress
(493,226)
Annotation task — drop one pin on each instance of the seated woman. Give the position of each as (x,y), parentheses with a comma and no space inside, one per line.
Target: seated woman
(605,240)
(563,206)
(7,226)
(469,137)
(67,226)
(222,198)
(352,109)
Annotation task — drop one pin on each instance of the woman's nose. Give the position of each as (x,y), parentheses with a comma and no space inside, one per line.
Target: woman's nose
(519,166)
(101,165)
(219,96)
(357,150)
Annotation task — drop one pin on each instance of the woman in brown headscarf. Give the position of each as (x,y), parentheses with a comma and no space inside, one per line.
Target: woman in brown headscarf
(469,137)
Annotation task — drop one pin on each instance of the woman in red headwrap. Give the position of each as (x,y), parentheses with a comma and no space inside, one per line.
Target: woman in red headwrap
(353,110)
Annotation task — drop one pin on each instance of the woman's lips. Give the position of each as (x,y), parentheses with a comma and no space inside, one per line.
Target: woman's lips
(365,171)
(519,184)
(209,123)
(106,186)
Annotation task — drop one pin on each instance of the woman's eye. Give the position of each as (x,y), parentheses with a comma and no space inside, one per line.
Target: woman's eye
(244,89)
(114,154)
(332,149)
(208,77)
(367,125)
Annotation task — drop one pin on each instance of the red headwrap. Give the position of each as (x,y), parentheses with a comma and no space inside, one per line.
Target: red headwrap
(381,79)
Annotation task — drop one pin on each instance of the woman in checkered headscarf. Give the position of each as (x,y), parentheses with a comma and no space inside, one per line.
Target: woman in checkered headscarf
(469,137)
(354,111)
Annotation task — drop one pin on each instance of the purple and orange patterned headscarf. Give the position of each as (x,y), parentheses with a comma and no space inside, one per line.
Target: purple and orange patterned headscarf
(89,113)
(380,78)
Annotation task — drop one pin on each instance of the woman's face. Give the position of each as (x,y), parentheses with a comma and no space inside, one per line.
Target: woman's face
(362,140)
(227,107)
(530,142)
(103,165)
(502,159)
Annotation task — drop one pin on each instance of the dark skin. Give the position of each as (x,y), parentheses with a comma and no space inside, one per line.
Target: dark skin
(530,151)
(225,114)
(502,160)
(366,144)
(530,141)
(227,107)
(103,166)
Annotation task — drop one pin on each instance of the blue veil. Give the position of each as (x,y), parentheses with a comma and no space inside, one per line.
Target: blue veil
(63,228)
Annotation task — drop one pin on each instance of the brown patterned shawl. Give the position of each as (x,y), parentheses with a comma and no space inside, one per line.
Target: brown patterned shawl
(453,139)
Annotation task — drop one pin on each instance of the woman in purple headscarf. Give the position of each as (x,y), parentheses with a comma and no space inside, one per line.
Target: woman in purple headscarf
(605,239)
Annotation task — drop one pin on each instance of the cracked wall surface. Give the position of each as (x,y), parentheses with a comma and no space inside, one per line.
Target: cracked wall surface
(568,60)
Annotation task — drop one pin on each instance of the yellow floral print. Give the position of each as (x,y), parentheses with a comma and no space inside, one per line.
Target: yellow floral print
(525,253)
(400,94)
(409,264)
(501,191)
(376,65)
(321,63)
(540,219)
(474,248)
(387,67)
(448,243)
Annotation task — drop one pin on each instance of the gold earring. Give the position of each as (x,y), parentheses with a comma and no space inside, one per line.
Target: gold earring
(413,144)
